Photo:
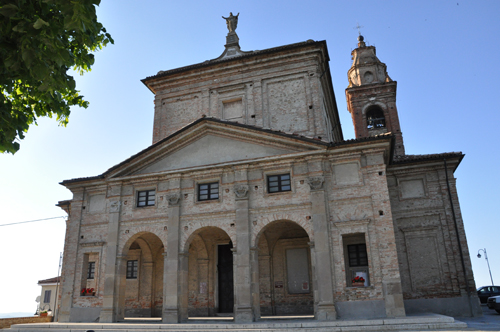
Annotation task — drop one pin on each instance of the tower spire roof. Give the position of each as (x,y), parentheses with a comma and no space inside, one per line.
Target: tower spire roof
(366,67)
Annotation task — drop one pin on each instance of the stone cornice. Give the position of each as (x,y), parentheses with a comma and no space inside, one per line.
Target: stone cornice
(352,223)
(92,244)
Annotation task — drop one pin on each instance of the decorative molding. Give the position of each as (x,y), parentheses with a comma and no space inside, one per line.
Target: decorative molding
(419,229)
(316,182)
(173,198)
(352,223)
(93,244)
(114,206)
(241,191)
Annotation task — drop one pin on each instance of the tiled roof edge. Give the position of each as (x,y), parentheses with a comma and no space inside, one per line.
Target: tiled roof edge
(210,119)
(243,56)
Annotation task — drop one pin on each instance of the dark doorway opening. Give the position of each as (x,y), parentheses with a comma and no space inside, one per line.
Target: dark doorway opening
(225,269)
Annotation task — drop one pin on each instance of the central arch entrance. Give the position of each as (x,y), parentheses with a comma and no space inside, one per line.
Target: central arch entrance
(285,270)
(210,289)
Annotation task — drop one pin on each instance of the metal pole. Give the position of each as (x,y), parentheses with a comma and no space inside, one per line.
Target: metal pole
(57,287)
(487,262)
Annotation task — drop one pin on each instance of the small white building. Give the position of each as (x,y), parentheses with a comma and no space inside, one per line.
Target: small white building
(50,288)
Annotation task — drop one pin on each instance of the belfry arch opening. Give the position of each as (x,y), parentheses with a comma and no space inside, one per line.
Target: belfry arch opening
(210,285)
(141,276)
(285,270)
(375,118)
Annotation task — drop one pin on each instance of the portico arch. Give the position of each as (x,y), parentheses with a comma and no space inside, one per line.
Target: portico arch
(140,276)
(285,269)
(209,264)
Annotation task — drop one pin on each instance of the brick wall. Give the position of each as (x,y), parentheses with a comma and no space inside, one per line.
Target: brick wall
(5,323)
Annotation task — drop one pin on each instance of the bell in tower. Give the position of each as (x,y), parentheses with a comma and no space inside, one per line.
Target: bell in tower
(371,96)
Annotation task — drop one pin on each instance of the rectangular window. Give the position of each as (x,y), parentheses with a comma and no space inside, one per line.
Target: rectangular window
(91,270)
(146,198)
(356,260)
(278,183)
(46,296)
(357,255)
(132,268)
(208,191)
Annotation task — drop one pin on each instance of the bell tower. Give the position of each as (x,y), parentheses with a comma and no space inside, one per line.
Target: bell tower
(371,96)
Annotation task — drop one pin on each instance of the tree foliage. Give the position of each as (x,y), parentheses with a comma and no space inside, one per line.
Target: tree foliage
(40,40)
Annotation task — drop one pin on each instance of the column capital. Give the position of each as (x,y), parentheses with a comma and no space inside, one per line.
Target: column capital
(173,198)
(316,182)
(241,191)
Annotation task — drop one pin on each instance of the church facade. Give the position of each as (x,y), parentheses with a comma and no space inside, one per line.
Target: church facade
(250,203)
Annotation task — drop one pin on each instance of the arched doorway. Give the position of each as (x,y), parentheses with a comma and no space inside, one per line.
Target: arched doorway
(285,270)
(210,289)
(141,276)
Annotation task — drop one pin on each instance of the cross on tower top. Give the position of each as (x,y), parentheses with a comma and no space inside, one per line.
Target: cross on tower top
(359,28)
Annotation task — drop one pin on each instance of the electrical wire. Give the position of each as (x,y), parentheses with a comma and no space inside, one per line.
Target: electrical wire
(23,222)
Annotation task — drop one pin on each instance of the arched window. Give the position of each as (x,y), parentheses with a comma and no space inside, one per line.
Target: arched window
(375,118)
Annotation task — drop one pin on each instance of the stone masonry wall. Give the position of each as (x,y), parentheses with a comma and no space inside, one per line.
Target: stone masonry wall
(425,232)
(357,202)
(279,92)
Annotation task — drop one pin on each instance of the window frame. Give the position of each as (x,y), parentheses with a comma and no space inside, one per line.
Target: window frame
(358,250)
(91,270)
(132,273)
(147,196)
(209,191)
(356,238)
(280,185)
(47,293)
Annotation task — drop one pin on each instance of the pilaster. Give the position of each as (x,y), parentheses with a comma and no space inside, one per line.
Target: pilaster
(242,275)
(171,276)
(111,287)
(324,308)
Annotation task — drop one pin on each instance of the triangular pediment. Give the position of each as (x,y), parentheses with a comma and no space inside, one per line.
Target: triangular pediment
(210,142)
(211,149)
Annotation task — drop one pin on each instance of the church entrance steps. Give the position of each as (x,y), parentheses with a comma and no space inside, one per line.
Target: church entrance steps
(429,322)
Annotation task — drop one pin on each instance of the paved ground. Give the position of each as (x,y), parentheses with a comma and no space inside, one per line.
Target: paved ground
(489,322)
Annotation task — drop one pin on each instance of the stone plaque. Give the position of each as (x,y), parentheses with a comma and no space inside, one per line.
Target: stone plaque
(233,109)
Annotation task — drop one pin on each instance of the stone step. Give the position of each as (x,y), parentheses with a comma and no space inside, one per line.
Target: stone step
(409,323)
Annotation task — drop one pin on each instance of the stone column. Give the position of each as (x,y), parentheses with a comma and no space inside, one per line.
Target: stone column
(255,287)
(183,278)
(242,274)
(121,283)
(324,308)
(111,288)
(171,265)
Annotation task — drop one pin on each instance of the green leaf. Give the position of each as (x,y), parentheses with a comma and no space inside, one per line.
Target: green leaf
(9,10)
(35,59)
(40,23)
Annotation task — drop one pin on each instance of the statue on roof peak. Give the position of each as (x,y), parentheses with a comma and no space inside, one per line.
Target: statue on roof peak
(231,21)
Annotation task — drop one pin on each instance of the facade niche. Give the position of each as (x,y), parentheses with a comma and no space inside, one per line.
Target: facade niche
(355,258)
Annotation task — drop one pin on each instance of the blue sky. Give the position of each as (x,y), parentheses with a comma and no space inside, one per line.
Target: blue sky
(443,54)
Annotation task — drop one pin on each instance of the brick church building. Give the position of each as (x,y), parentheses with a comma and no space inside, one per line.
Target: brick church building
(250,203)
